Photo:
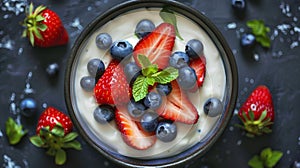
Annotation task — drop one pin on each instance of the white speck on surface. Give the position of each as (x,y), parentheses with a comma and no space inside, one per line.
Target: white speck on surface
(288,152)
(1,134)
(239,142)
(89,8)
(284,28)
(28,89)
(294,44)
(256,57)
(15,6)
(76,24)
(251,81)
(106,163)
(44,105)
(9,163)
(231,128)
(246,79)
(231,25)
(236,111)
(7,43)
(12,105)
(20,51)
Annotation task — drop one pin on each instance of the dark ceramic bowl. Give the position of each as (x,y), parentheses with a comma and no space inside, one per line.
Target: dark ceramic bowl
(189,21)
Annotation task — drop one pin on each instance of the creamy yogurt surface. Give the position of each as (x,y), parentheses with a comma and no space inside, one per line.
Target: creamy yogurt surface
(122,28)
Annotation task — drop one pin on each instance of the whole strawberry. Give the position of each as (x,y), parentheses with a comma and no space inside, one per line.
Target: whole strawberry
(257,113)
(44,28)
(54,133)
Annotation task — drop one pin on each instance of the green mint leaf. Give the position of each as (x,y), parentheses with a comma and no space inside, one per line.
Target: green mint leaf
(14,131)
(150,81)
(260,30)
(165,76)
(168,16)
(255,162)
(273,160)
(60,157)
(140,88)
(144,61)
(266,154)
(151,69)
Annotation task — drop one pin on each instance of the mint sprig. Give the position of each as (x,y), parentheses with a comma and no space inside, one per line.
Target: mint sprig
(168,16)
(267,158)
(150,76)
(260,30)
(14,131)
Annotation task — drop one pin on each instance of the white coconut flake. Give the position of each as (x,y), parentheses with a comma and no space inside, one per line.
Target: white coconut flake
(294,44)
(231,25)
(15,6)
(7,43)
(76,24)
(1,134)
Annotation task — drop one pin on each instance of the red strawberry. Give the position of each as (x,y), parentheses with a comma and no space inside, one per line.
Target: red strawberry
(44,28)
(178,107)
(51,117)
(132,133)
(112,87)
(157,45)
(54,133)
(257,113)
(199,65)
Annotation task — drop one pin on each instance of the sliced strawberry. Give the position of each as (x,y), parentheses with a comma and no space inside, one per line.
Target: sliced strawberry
(199,65)
(112,87)
(178,107)
(257,113)
(131,132)
(157,45)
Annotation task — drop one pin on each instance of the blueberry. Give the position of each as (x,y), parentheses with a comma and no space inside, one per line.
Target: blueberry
(103,41)
(213,107)
(144,27)
(194,48)
(104,113)
(179,59)
(166,131)
(153,100)
(248,40)
(87,83)
(295,164)
(149,121)
(186,78)
(238,4)
(121,49)
(132,71)
(52,69)
(164,89)
(136,109)
(95,67)
(28,107)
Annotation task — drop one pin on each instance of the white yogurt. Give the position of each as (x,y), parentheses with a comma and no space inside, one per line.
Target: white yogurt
(123,27)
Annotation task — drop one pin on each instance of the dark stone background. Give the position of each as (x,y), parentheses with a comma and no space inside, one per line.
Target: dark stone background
(22,66)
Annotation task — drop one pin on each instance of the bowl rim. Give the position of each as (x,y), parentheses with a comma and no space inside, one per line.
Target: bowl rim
(198,149)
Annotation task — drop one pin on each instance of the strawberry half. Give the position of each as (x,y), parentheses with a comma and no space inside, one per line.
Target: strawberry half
(112,87)
(178,107)
(257,113)
(157,45)
(54,133)
(44,27)
(132,133)
(199,65)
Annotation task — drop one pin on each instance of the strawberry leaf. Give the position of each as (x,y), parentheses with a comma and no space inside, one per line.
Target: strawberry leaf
(60,157)
(37,141)
(14,131)
(169,17)
(140,88)
(73,144)
(70,137)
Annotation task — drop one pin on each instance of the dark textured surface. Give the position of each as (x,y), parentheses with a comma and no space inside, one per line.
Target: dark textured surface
(277,67)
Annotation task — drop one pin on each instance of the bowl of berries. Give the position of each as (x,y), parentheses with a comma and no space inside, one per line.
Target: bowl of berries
(151,83)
